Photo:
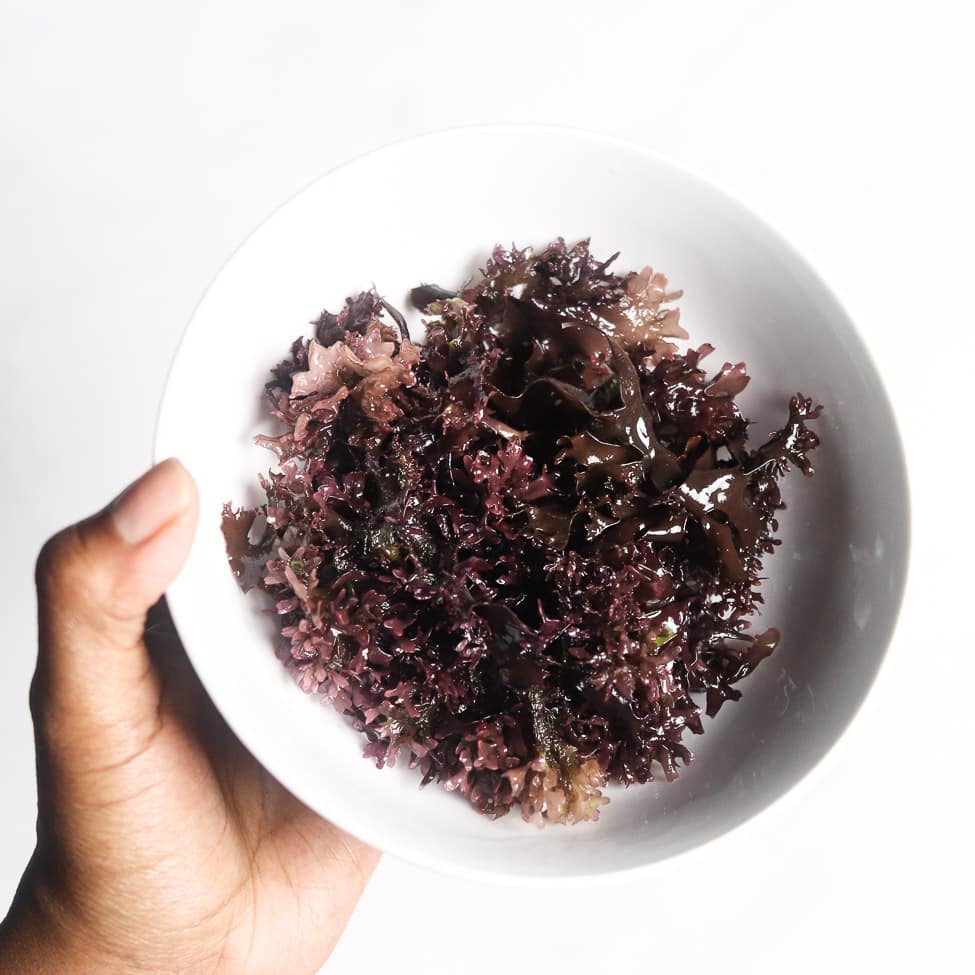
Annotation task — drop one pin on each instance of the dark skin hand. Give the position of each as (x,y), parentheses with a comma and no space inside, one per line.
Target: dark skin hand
(162,845)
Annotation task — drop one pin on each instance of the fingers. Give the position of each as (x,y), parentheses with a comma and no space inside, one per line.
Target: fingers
(95,582)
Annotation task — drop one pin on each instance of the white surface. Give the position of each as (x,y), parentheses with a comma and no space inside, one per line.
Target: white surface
(833,586)
(140,146)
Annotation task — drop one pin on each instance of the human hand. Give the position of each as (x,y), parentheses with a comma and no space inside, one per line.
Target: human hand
(162,845)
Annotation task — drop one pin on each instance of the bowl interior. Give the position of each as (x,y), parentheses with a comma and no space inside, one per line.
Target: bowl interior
(429,210)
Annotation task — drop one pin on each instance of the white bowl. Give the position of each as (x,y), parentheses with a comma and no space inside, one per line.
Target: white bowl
(429,209)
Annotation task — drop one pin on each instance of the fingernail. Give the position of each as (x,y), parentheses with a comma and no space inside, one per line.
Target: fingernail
(155,499)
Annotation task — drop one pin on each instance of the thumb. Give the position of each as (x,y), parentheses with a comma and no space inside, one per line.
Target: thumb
(95,583)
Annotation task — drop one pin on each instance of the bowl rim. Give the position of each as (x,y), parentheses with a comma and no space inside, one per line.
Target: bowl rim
(777,805)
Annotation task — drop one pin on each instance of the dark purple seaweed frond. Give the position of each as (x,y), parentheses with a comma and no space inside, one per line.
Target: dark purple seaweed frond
(513,557)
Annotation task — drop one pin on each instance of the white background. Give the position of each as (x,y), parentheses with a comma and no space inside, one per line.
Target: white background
(140,143)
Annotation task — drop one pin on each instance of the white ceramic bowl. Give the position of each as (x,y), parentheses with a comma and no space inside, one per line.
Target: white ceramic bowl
(429,209)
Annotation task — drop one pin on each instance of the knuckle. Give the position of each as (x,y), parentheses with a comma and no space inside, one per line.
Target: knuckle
(36,696)
(51,556)
(48,724)
(66,561)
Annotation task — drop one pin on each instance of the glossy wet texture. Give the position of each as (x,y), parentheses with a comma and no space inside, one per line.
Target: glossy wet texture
(524,556)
